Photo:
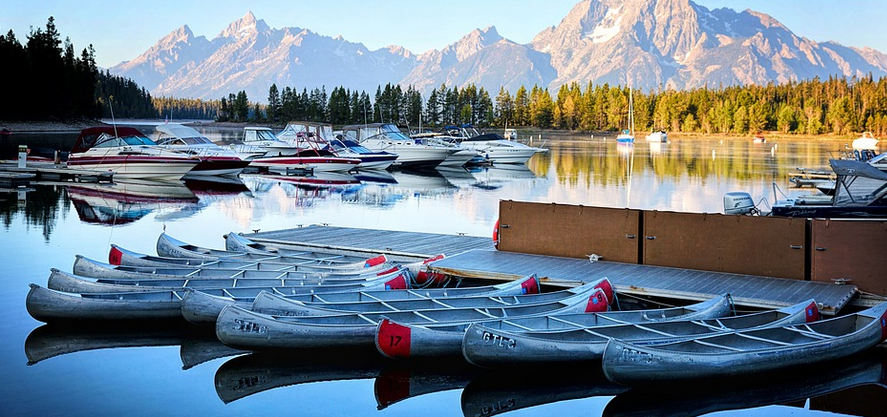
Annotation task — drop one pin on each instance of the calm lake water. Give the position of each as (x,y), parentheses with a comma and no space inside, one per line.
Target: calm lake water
(173,369)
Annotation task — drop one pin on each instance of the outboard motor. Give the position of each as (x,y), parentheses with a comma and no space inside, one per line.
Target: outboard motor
(739,203)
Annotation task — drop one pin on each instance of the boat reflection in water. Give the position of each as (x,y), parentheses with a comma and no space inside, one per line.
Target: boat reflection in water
(393,381)
(499,392)
(868,368)
(127,201)
(197,345)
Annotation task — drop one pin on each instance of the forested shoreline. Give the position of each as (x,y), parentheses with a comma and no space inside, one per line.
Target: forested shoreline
(48,81)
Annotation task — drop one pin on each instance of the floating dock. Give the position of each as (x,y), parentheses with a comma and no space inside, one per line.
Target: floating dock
(48,171)
(475,257)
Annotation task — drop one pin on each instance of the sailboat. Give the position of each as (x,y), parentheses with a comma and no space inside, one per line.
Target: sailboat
(627,135)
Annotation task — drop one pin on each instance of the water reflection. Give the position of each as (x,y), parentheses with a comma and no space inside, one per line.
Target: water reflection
(867,368)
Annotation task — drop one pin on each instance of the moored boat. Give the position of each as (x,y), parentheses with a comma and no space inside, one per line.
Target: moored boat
(386,137)
(49,305)
(275,305)
(657,136)
(405,340)
(201,308)
(866,141)
(487,347)
(243,328)
(128,153)
(745,352)
(214,159)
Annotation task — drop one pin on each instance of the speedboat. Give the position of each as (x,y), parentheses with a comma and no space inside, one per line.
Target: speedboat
(264,141)
(320,138)
(492,146)
(866,141)
(860,191)
(291,155)
(214,159)
(657,136)
(759,138)
(462,155)
(128,153)
(386,137)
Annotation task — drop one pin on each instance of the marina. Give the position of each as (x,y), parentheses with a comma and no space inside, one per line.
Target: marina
(408,217)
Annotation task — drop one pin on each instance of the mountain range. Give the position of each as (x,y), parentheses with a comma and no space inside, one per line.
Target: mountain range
(648,44)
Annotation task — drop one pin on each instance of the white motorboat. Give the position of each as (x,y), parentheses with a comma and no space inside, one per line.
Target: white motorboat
(866,141)
(258,139)
(386,137)
(214,159)
(492,146)
(657,136)
(320,137)
(128,153)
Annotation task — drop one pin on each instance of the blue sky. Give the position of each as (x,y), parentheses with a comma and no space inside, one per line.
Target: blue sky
(121,30)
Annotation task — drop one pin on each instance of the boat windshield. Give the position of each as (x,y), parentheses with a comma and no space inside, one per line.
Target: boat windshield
(392,132)
(110,141)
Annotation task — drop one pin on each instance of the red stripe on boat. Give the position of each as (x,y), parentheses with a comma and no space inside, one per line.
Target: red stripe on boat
(397,283)
(812,312)
(597,302)
(375,261)
(393,339)
(530,286)
(430,260)
(388,271)
(115,256)
(607,288)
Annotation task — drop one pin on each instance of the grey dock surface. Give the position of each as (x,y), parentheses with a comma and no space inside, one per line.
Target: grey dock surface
(475,257)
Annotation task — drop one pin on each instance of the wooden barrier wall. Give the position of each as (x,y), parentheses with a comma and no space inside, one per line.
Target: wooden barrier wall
(569,231)
(767,246)
(852,250)
(819,250)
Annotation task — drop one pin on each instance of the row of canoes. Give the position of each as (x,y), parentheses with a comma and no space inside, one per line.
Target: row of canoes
(259,297)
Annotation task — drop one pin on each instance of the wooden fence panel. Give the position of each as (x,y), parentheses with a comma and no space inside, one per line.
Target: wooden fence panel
(571,231)
(850,249)
(767,246)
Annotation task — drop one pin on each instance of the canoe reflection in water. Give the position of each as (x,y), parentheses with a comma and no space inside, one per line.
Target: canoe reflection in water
(866,369)
(197,346)
(394,381)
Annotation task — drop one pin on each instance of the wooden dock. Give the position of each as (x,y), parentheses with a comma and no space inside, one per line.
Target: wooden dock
(49,171)
(475,257)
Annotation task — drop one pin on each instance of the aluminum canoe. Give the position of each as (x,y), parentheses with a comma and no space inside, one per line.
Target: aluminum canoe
(167,246)
(238,327)
(433,340)
(488,347)
(275,305)
(64,281)
(91,268)
(48,305)
(119,255)
(746,352)
(201,308)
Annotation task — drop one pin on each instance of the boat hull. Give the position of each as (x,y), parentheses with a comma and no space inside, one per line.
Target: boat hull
(135,167)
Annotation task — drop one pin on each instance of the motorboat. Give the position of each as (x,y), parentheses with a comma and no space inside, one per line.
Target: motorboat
(128,153)
(386,137)
(214,159)
(860,191)
(759,138)
(657,136)
(263,140)
(492,146)
(319,137)
(462,156)
(866,141)
(286,156)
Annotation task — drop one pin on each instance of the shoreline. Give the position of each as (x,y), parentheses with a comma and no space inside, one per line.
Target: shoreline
(76,126)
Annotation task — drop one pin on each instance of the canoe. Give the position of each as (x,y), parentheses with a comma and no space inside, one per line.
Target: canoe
(48,305)
(63,281)
(168,246)
(745,352)
(405,340)
(487,347)
(199,307)
(91,268)
(242,328)
(122,256)
(275,305)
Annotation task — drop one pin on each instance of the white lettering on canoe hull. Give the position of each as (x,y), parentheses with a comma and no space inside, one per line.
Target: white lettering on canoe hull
(499,341)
